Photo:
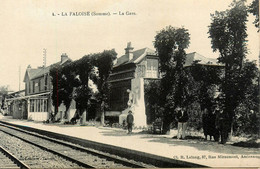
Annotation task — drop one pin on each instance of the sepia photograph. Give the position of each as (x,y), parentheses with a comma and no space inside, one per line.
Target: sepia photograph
(129,84)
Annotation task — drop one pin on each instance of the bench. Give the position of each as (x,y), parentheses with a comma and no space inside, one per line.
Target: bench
(157,127)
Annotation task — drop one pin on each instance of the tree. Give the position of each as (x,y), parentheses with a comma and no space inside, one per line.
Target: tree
(228,36)
(170,44)
(72,81)
(68,82)
(247,117)
(254,9)
(3,93)
(152,94)
(104,63)
(62,83)
(207,78)
(83,70)
(55,74)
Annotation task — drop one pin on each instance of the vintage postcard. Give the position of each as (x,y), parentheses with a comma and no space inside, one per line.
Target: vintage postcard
(129,84)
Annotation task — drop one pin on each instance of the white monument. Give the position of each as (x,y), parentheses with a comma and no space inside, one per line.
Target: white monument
(135,103)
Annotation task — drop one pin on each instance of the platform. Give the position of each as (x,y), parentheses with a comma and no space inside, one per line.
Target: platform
(207,153)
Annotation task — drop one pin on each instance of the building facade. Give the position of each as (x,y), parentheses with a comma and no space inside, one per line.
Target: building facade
(127,83)
(142,63)
(130,73)
(16,107)
(38,91)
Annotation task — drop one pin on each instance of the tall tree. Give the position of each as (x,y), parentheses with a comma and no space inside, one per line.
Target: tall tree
(254,9)
(61,82)
(207,77)
(170,44)
(55,73)
(228,36)
(104,63)
(83,69)
(247,117)
(68,82)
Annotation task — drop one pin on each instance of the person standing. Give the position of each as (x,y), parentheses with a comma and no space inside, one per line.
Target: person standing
(222,125)
(182,118)
(130,121)
(205,123)
(212,126)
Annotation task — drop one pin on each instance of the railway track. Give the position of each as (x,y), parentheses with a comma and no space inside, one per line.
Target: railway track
(7,160)
(82,156)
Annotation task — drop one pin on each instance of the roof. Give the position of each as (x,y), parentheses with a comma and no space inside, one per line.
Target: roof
(29,96)
(17,92)
(35,73)
(194,56)
(138,55)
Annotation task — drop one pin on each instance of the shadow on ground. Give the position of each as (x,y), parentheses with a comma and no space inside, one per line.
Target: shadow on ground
(252,143)
(196,142)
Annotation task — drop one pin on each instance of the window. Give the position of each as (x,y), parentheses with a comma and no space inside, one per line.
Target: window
(33,86)
(40,85)
(45,105)
(38,105)
(152,68)
(45,82)
(28,88)
(31,105)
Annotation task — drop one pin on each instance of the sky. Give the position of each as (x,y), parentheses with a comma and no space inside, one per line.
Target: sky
(27,27)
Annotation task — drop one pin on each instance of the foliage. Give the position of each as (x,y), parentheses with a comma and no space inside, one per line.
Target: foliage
(3,93)
(3,90)
(206,78)
(83,70)
(60,82)
(170,44)
(247,116)
(68,82)
(104,64)
(254,9)
(72,81)
(56,81)
(153,107)
(228,36)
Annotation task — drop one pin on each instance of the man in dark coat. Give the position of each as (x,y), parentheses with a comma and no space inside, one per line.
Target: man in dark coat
(222,125)
(205,123)
(182,118)
(208,121)
(130,121)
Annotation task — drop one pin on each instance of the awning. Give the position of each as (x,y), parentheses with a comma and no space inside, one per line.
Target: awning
(29,96)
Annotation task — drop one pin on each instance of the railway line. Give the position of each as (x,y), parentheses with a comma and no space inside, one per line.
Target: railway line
(78,155)
(93,154)
(7,160)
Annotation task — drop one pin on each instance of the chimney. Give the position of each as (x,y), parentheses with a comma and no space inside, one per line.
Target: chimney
(64,57)
(129,51)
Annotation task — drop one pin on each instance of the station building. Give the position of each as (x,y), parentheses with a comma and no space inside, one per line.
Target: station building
(129,75)
(35,103)
(17,108)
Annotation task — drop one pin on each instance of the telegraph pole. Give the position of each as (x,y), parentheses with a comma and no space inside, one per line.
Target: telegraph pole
(19,77)
(44,66)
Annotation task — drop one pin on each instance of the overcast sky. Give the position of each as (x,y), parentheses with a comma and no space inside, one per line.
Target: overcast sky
(29,26)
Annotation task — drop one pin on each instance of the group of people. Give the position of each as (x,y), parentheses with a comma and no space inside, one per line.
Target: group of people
(215,124)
